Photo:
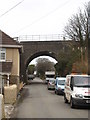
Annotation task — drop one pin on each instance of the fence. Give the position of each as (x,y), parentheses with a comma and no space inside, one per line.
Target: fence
(49,37)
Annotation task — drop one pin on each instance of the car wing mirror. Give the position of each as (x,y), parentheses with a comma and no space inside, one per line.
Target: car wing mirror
(71,86)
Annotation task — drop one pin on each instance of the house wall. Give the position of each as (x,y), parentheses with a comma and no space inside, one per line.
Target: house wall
(12,54)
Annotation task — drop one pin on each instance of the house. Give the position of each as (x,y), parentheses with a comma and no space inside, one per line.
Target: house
(10,50)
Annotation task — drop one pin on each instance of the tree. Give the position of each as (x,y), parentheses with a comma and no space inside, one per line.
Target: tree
(64,58)
(60,67)
(66,61)
(31,69)
(89,38)
(77,28)
(42,65)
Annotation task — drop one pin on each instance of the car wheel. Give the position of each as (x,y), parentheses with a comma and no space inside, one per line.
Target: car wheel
(65,99)
(56,92)
(48,88)
(71,103)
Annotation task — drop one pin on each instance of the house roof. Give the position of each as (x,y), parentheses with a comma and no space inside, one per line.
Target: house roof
(7,40)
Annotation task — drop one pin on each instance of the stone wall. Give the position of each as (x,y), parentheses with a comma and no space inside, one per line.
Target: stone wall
(10,94)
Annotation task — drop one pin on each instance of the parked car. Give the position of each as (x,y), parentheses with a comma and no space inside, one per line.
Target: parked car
(51,83)
(31,77)
(59,85)
(77,90)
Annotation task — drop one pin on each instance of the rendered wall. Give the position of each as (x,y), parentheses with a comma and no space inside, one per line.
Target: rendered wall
(10,94)
(13,55)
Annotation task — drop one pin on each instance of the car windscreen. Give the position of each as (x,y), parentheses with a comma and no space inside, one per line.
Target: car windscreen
(81,81)
(50,76)
(61,82)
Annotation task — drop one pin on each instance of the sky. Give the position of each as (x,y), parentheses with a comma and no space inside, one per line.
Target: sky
(37,17)
(34,61)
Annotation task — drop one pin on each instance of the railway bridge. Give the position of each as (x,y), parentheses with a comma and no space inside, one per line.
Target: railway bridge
(46,47)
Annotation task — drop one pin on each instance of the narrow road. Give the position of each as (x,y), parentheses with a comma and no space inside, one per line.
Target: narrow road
(38,102)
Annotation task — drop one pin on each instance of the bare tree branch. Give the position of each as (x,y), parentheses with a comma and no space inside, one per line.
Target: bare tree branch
(77,27)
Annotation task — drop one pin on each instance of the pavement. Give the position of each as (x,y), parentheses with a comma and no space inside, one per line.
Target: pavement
(9,108)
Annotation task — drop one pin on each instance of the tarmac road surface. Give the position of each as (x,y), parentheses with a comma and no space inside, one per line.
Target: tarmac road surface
(38,102)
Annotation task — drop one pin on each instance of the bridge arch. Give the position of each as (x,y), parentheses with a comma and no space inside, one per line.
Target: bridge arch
(34,49)
(42,53)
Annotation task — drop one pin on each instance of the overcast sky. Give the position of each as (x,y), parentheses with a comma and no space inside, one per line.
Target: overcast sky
(36,17)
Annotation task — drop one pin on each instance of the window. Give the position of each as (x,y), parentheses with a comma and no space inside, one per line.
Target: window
(81,81)
(2,54)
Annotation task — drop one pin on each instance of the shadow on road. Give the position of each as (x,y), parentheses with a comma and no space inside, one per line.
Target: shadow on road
(24,93)
(34,82)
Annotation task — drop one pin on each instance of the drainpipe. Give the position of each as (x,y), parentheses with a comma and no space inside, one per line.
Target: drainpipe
(8,80)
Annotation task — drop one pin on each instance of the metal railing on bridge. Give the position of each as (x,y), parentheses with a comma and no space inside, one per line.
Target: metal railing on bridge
(49,37)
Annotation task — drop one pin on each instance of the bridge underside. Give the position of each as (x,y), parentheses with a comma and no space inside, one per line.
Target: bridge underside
(42,53)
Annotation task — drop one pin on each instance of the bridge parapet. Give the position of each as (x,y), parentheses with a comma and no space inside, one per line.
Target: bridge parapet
(49,37)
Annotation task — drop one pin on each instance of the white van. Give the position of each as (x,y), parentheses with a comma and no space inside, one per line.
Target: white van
(77,90)
(49,75)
